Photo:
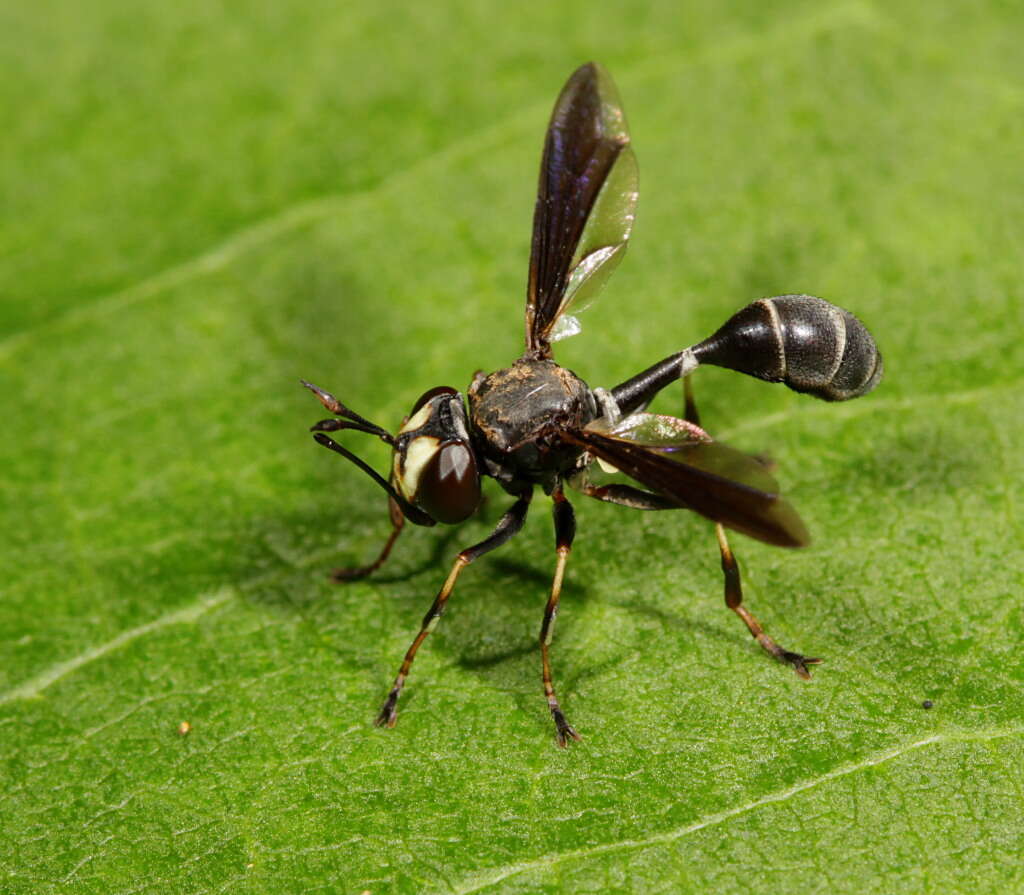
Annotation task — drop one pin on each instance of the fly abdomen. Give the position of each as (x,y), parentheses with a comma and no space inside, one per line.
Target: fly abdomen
(806,342)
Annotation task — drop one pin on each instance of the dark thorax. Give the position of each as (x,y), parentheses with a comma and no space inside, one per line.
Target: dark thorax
(516,414)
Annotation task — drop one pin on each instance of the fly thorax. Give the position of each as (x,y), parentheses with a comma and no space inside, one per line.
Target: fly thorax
(516,415)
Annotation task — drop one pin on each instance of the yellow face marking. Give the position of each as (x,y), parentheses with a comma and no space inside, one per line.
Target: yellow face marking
(420,451)
(396,473)
(417,420)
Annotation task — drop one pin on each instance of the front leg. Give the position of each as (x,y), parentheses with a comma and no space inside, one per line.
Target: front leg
(353,573)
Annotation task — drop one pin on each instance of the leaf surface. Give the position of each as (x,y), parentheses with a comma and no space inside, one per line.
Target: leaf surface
(203,205)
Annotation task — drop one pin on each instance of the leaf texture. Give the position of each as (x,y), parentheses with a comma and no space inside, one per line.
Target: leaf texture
(204,205)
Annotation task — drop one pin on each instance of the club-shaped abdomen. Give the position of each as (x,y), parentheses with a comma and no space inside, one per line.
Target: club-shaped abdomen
(806,342)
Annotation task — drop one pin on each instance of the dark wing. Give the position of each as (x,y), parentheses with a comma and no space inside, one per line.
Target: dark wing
(585,202)
(679,461)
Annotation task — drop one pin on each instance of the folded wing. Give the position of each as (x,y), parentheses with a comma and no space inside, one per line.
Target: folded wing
(680,461)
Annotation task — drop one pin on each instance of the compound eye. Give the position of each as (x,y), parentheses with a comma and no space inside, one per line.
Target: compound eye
(432,393)
(449,484)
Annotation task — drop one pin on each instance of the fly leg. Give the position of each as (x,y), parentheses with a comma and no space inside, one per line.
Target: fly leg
(731,570)
(734,600)
(508,526)
(690,413)
(565,531)
(625,496)
(397,522)
(394,511)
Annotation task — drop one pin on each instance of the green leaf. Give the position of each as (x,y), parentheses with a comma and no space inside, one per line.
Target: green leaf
(204,204)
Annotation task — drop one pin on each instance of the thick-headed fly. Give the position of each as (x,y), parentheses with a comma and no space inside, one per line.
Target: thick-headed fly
(536,423)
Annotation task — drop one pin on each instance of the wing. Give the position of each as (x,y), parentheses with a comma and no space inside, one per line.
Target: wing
(586,202)
(680,461)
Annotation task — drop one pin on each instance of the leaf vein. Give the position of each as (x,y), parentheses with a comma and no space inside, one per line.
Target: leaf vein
(35,685)
(486,878)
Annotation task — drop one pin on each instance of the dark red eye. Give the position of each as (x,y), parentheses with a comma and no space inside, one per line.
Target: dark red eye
(433,393)
(449,486)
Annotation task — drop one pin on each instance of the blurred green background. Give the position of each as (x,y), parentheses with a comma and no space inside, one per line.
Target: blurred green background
(205,201)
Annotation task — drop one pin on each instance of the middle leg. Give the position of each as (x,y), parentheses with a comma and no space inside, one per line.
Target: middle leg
(507,527)
(565,531)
